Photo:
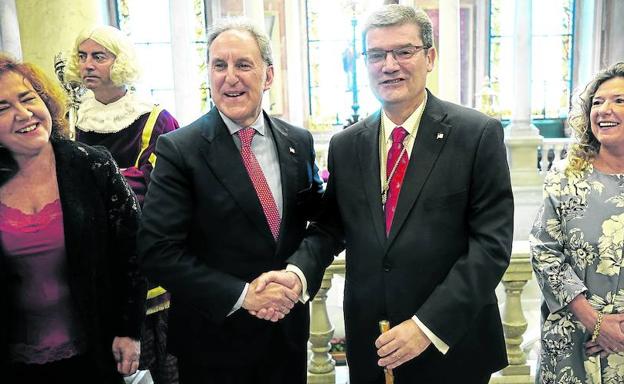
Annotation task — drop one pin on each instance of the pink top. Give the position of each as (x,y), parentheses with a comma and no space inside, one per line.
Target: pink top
(43,325)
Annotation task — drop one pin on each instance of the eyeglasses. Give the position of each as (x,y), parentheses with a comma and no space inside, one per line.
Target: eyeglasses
(375,56)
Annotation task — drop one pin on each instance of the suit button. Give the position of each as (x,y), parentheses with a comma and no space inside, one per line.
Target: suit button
(386,267)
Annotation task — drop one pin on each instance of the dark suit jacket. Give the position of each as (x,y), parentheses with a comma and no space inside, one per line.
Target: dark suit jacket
(448,247)
(100,219)
(204,234)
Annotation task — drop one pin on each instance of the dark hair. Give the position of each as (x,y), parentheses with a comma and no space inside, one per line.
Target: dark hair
(53,97)
(587,146)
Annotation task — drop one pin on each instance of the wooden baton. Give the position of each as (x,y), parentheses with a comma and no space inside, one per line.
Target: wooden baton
(384,326)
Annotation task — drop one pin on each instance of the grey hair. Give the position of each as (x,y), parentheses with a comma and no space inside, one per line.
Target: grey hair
(396,14)
(587,145)
(245,25)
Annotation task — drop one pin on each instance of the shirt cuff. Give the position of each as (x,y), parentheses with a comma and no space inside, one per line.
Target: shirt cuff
(304,297)
(239,302)
(437,342)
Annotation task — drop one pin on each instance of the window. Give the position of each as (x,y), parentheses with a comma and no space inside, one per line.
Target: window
(171,48)
(171,41)
(551,69)
(333,55)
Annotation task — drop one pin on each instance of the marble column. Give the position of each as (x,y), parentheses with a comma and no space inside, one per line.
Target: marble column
(9,29)
(186,88)
(449,50)
(523,138)
(294,63)
(48,27)
(254,10)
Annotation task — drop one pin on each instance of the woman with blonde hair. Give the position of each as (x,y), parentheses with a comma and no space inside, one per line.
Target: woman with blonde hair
(577,242)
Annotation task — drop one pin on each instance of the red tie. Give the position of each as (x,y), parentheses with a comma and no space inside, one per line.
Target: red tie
(395,171)
(259,181)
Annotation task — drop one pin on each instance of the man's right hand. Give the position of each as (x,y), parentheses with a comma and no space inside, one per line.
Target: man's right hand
(273,299)
(285,279)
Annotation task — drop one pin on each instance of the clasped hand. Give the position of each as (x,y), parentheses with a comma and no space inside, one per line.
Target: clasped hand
(611,337)
(400,344)
(272,295)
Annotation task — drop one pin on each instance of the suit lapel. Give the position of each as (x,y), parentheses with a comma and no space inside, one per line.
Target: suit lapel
(430,139)
(226,163)
(287,153)
(368,156)
(78,219)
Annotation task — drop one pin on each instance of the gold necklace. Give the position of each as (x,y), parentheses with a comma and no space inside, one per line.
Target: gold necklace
(386,184)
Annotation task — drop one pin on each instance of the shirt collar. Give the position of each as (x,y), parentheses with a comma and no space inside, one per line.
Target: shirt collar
(410,125)
(233,128)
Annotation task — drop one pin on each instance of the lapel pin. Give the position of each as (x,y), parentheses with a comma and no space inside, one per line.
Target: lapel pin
(440,136)
(291,150)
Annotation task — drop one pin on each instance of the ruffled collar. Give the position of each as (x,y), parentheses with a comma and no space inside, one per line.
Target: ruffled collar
(94,116)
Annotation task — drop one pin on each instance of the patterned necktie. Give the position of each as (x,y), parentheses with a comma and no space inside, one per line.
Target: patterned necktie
(259,181)
(395,171)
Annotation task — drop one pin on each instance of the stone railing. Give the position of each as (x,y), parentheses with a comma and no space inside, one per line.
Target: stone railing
(321,366)
(515,278)
(554,150)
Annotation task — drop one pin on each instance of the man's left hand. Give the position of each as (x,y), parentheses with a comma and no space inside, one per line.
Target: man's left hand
(126,352)
(400,344)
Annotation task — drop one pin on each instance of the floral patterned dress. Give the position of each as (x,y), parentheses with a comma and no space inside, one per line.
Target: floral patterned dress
(576,248)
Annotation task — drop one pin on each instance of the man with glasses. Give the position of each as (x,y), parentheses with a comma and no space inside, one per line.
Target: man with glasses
(419,194)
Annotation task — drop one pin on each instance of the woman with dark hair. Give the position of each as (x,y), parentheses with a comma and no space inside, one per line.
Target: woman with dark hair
(72,297)
(577,242)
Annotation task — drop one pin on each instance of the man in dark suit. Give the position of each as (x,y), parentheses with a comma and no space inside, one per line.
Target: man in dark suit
(229,199)
(420,196)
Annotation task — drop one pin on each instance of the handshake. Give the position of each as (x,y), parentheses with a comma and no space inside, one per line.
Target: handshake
(272,295)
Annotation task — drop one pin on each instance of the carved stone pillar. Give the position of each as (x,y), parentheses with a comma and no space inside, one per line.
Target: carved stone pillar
(321,366)
(9,29)
(515,278)
(449,52)
(47,27)
(523,138)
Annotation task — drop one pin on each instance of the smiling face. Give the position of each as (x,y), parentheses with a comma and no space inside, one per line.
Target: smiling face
(95,64)
(25,122)
(399,86)
(238,76)
(607,115)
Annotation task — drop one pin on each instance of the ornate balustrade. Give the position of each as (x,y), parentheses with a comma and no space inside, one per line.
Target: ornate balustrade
(321,366)
(514,322)
(551,151)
